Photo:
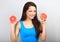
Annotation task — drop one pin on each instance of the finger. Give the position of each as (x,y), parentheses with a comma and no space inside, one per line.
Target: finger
(43,16)
(13,19)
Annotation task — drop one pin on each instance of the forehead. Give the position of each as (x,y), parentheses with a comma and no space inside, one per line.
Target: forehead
(32,8)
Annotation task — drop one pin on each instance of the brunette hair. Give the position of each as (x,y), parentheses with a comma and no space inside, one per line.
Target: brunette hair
(35,21)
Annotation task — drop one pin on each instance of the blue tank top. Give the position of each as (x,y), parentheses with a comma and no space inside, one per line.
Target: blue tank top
(27,34)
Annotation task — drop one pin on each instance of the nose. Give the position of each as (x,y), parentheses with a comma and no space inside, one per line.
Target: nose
(33,13)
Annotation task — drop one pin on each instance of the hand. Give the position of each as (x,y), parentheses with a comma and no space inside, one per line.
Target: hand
(43,21)
(13,21)
(43,18)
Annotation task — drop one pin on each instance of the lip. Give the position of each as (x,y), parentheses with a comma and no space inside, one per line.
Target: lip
(32,15)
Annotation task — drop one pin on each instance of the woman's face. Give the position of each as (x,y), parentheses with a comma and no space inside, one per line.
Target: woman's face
(31,12)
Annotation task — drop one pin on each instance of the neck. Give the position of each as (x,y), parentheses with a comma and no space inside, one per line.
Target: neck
(28,20)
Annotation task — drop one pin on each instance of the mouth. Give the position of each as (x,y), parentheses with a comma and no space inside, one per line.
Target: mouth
(32,15)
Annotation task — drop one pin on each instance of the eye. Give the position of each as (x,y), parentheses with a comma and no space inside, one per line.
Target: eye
(30,11)
(34,10)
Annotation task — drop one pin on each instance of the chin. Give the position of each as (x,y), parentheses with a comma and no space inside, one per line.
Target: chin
(32,18)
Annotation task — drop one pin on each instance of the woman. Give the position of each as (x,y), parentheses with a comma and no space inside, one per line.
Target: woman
(29,27)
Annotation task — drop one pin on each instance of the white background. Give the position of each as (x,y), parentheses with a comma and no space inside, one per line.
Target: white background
(14,7)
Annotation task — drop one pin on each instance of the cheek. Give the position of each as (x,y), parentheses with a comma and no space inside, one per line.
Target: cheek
(28,14)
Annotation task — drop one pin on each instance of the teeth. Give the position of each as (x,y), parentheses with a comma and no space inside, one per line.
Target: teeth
(32,16)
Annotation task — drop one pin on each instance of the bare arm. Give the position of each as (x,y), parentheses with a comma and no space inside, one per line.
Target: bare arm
(14,31)
(17,30)
(43,34)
